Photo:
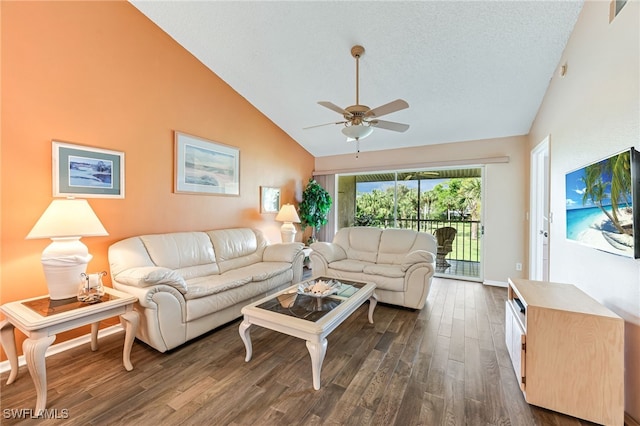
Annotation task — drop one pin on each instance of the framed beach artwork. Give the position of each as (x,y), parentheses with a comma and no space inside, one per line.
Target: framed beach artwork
(269,199)
(602,202)
(87,172)
(206,167)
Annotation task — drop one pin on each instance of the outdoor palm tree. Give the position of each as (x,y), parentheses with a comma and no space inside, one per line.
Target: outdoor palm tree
(472,193)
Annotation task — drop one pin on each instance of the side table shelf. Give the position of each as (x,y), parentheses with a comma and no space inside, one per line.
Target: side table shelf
(567,350)
(41,329)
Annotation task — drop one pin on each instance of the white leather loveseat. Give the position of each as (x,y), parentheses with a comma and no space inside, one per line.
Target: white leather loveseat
(188,283)
(400,261)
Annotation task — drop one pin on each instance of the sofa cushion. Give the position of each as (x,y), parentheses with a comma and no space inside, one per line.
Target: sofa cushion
(235,248)
(382,282)
(264,270)
(179,249)
(146,276)
(204,306)
(349,265)
(386,283)
(360,242)
(395,244)
(391,271)
(199,271)
(214,284)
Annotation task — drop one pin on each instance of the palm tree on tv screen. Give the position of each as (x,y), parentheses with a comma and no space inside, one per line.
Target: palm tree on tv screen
(614,175)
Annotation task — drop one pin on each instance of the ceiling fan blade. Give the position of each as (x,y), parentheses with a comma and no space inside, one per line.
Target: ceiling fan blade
(334,107)
(325,124)
(389,125)
(385,109)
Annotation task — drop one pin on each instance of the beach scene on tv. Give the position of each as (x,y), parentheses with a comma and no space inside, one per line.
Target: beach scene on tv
(599,205)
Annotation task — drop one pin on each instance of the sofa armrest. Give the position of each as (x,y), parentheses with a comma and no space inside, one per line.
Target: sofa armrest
(148,296)
(281,252)
(163,315)
(330,252)
(417,256)
(148,276)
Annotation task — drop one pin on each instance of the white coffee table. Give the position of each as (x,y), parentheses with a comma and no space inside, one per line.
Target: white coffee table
(40,319)
(301,316)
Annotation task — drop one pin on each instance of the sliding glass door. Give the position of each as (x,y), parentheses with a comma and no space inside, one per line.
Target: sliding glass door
(444,202)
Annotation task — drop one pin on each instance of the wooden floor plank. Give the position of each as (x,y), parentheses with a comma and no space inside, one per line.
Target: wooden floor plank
(387,408)
(453,398)
(438,367)
(472,370)
(493,401)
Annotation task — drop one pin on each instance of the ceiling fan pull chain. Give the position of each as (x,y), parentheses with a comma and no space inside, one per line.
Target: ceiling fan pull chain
(357,148)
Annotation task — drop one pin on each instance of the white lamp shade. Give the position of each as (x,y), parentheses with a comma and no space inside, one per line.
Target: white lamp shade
(68,218)
(65,222)
(288,213)
(357,131)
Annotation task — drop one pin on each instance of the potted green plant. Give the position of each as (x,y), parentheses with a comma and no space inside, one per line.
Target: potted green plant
(314,207)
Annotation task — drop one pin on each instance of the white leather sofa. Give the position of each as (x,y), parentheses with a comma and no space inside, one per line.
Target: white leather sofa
(188,283)
(400,261)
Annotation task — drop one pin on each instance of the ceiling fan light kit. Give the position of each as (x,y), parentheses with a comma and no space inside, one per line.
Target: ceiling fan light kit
(359,119)
(357,132)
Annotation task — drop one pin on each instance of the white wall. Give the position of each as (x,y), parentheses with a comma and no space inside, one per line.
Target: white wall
(505,190)
(591,113)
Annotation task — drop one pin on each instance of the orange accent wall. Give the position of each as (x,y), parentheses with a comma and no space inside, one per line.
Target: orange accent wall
(101,74)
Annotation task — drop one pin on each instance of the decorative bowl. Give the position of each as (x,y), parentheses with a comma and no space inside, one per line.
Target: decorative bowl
(319,288)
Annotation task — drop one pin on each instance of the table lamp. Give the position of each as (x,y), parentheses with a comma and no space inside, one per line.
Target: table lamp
(65,221)
(288,215)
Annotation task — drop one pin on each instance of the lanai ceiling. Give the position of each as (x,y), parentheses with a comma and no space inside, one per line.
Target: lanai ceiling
(470,70)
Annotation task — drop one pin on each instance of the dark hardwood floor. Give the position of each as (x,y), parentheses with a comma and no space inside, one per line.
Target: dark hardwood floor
(443,365)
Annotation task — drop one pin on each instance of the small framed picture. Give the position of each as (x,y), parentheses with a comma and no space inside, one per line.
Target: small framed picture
(206,167)
(269,199)
(86,172)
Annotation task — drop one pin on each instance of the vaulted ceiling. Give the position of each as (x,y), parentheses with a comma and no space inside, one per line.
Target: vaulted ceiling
(470,70)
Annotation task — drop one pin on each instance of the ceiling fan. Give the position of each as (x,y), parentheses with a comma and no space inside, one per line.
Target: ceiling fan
(360,120)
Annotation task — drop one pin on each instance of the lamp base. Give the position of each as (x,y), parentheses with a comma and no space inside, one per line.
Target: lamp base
(63,261)
(288,232)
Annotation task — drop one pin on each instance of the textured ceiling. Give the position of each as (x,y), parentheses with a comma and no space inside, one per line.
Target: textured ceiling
(469,70)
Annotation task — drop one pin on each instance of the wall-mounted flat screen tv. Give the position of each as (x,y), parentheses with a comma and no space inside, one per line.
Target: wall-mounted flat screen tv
(603,204)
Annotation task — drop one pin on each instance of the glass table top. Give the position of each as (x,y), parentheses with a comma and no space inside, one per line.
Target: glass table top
(47,307)
(300,302)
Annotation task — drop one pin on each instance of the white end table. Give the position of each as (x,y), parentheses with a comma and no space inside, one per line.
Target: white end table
(41,318)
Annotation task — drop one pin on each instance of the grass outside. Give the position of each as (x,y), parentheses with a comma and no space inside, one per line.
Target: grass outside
(464,246)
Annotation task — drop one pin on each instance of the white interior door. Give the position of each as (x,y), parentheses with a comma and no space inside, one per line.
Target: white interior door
(539,213)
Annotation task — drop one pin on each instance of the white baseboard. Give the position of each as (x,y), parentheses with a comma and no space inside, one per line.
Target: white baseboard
(61,347)
(495,283)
